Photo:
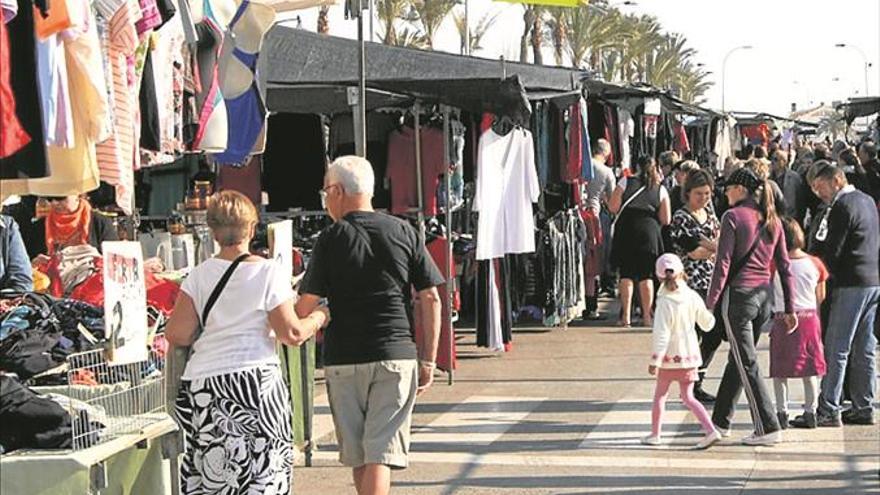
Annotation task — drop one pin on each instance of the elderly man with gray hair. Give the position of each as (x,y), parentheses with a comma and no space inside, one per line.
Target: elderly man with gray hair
(367,264)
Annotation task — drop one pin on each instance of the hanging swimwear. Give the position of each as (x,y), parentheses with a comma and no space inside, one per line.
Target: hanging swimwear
(246,112)
(209,101)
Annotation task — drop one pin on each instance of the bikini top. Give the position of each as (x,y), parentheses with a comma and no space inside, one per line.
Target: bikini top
(247,112)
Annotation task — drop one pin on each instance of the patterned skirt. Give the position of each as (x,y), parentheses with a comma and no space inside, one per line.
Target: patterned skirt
(237,434)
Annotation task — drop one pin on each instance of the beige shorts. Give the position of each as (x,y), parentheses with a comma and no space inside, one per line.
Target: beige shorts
(378,433)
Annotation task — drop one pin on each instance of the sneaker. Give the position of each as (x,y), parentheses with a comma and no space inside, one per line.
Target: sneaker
(767,439)
(783,419)
(703,396)
(852,417)
(651,440)
(725,432)
(709,440)
(805,420)
(592,316)
(828,420)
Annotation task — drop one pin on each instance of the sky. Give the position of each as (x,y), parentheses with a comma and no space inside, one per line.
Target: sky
(793,59)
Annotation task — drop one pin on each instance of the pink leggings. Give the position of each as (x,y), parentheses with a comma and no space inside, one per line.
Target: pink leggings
(686,384)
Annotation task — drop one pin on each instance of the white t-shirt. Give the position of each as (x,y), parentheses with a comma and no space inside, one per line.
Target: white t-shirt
(806,274)
(237,334)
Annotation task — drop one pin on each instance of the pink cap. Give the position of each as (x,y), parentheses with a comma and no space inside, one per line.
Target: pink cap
(666,263)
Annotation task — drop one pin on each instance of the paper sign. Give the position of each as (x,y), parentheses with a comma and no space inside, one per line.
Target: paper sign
(125,302)
(281,245)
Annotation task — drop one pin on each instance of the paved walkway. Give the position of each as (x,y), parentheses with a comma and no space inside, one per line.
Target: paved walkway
(563,413)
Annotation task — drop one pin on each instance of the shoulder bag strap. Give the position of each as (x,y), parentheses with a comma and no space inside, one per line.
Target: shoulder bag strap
(212,299)
(626,203)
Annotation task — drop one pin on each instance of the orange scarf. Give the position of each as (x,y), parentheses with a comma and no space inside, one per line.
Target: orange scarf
(68,229)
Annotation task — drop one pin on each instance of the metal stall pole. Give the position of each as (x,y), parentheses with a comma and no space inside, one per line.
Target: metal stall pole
(417,124)
(450,276)
(360,115)
(306,381)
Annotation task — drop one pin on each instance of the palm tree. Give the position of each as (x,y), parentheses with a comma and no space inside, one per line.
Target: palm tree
(431,15)
(476,32)
(324,20)
(643,37)
(590,32)
(832,124)
(664,64)
(389,12)
(557,24)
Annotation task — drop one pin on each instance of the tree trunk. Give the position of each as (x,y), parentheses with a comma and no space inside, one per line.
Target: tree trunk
(559,41)
(324,20)
(528,21)
(538,40)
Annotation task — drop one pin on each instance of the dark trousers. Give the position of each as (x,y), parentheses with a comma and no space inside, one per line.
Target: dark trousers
(709,343)
(745,311)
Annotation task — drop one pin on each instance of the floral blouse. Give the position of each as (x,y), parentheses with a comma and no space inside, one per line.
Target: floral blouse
(685,232)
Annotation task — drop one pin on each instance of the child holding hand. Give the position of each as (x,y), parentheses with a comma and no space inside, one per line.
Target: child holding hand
(676,356)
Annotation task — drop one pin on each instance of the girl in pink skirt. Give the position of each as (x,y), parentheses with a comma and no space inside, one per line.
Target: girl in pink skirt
(799,353)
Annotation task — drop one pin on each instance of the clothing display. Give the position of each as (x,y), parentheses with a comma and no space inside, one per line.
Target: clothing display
(494,328)
(251,22)
(110,85)
(401,171)
(13,137)
(438,249)
(245,180)
(507,185)
(560,258)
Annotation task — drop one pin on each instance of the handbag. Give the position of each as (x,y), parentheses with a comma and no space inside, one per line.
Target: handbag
(734,271)
(179,356)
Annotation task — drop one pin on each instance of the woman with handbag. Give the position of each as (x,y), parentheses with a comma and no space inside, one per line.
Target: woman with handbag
(642,207)
(751,243)
(233,406)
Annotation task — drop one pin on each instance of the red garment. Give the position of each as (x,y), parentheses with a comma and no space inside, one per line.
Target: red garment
(161,294)
(68,229)
(571,170)
(245,180)
(12,136)
(438,249)
(681,143)
(402,169)
(610,126)
(757,134)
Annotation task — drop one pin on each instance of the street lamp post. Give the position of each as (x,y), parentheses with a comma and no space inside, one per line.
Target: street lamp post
(724,72)
(864,59)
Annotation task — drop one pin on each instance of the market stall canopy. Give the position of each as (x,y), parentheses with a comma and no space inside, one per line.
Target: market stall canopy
(751,118)
(326,99)
(860,107)
(281,6)
(296,57)
(617,92)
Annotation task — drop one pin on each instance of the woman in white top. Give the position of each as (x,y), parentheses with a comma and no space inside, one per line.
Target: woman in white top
(233,406)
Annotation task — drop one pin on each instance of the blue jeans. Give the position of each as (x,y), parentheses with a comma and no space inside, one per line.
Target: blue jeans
(850,335)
